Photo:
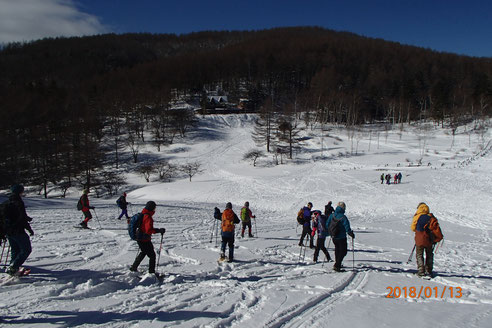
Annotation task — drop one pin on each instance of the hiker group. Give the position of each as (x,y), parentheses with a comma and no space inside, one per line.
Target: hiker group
(387,177)
(332,224)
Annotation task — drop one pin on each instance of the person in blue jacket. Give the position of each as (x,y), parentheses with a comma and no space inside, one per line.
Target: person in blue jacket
(340,237)
(306,227)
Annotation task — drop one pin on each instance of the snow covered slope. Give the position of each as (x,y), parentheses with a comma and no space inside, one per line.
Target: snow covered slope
(81,278)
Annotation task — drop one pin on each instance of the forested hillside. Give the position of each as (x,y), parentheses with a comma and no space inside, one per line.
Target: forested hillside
(69,106)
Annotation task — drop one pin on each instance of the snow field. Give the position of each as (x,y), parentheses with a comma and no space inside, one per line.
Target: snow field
(81,278)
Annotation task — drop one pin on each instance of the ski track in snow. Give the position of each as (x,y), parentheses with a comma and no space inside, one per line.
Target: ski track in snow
(81,277)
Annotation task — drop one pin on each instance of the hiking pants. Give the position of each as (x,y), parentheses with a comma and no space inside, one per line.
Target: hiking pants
(20,248)
(124,212)
(248,225)
(306,230)
(429,259)
(87,216)
(320,245)
(146,249)
(340,251)
(229,241)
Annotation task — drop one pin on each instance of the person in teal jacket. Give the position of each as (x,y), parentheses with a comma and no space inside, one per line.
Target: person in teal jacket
(340,237)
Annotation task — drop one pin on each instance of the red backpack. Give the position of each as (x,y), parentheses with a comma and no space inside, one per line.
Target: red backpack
(434,230)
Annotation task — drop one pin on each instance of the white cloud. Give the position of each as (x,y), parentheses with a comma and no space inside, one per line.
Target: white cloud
(27,20)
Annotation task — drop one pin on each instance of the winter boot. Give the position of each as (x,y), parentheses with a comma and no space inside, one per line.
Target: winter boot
(83,224)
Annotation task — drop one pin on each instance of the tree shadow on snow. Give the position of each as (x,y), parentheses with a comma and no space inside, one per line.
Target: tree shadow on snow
(73,319)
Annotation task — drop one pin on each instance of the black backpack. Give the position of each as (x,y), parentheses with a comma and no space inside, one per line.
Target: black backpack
(217,214)
(7,217)
(334,227)
(79,204)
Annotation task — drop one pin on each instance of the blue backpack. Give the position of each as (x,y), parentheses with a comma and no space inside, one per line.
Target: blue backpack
(134,226)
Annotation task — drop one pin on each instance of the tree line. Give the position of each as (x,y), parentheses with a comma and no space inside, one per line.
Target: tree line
(70,108)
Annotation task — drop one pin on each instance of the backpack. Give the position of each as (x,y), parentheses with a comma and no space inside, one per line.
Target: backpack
(434,230)
(79,204)
(322,222)
(228,221)
(119,202)
(300,216)
(217,214)
(134,226)
(7,213)
(244,215)
(334,227)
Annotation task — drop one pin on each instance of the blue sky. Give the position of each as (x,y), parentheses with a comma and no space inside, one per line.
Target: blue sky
(463,27)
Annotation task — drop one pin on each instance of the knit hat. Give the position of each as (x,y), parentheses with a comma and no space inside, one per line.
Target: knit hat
(151,205)
(246,204)
(17,189)
(341,205)
(310,204)
(229,205)
(85,192)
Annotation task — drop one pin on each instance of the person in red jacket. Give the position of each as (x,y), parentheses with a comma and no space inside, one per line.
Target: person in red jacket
(84,199)
(144,235)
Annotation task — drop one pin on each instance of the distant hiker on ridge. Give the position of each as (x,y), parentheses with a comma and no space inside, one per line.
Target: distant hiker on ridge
(382,178)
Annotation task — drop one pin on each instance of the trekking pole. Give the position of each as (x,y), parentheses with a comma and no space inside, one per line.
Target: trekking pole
(353,256)
(256,230)
(160,249)
(97,219)
(1,257)
(411,254)
(212,232)
(217,235)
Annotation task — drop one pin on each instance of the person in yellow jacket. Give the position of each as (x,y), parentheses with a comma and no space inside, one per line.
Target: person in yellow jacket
(423,242)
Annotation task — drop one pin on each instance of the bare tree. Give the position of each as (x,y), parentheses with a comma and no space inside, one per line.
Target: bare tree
(191,169)
(134,145)
(165,170)
(146,170)
(253,155)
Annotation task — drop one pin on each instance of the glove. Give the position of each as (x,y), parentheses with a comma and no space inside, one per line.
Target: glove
(31,232)
(29,219)
(254,216)
(351,234)
(161,231)
(91,207)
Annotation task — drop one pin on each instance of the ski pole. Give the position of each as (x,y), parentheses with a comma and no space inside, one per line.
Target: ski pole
(97,219)
(6,256)
(212,232)
(1,257)
(353,256)
(160,249)
(217,235)
(256,230)
(411,254)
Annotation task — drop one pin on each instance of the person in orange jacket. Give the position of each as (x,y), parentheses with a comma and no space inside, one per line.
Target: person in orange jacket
(423,242)
(229,219)
(144,235)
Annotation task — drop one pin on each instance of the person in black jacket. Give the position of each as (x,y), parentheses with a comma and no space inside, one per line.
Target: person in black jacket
(329,209)
(17,222)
